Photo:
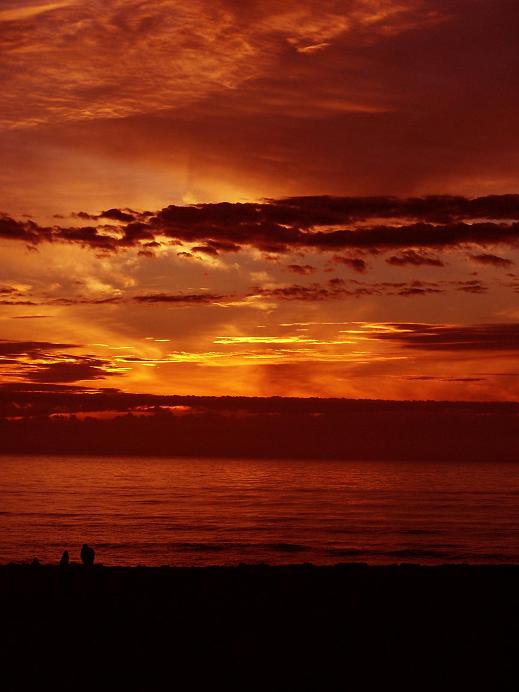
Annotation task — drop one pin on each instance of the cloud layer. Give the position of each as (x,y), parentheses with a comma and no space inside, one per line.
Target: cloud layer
(309,223)
(83,61)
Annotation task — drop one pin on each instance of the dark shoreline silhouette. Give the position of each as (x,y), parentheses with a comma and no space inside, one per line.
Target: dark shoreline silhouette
(301,627)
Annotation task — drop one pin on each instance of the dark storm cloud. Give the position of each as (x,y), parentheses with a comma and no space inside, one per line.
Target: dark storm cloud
(356,263)
(327,210)
(206,250)
(413,235)
(492,260)
(418,291)
(123,215)
(81,300)
(443,337)
(337,288)
(222,246)
(472,286)
(302,269)
(43,361)
(180,298)
(13,296)
(118,215)
(308,292)
(279,225)
(81,369)
(88,236)
(17,302)
(300,223)
(309,211)
(414,258)
(27,231)
(34,349)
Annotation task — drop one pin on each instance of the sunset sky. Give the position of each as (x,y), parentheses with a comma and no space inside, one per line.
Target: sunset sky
(275,197)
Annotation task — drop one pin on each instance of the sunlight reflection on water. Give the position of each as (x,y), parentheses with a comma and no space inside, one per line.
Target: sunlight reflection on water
(214,511)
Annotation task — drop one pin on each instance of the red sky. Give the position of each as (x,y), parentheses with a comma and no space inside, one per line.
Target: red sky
(216,197)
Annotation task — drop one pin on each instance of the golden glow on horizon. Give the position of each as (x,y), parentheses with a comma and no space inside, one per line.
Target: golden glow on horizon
(274,340)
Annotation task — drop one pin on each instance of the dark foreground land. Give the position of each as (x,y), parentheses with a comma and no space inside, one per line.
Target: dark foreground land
(348,627)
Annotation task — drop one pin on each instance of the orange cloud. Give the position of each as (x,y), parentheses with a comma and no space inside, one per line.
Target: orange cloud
(113,59)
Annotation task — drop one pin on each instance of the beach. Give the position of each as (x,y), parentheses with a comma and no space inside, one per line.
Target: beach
(258,627)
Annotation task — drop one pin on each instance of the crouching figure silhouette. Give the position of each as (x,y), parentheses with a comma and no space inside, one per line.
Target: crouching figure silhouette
(88,555)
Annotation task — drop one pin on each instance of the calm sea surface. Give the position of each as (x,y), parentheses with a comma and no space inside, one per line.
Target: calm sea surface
(207,511)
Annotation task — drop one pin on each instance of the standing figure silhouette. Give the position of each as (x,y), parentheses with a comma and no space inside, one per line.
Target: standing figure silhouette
(65,559)
(88,555)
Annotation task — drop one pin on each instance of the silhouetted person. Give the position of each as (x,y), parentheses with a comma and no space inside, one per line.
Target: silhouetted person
(88,555)
(65,559)
(35,562)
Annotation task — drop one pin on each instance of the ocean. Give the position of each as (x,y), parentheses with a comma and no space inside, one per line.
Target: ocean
(159,511)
